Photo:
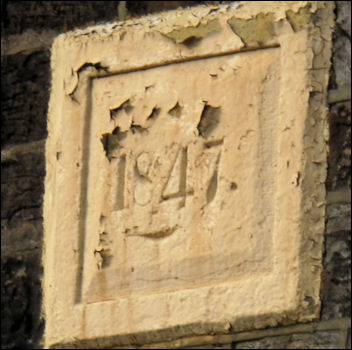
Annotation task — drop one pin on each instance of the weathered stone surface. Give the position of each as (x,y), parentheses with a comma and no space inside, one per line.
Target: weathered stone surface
(210,346)
(22,15)
(22,191)
(184,182)
(336,286)
(343,9)
(22,187)
(27,42)
(145,7)
(24,232)
(342,57)
(318,340)
(21,324)
(340,196)
(339,95)
(339,171)
(25,86)
(338,217)
(342,60)
(341,68)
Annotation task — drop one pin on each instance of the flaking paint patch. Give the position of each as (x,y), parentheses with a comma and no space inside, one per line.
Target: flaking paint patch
(257,30)
(299,20)
(72,85)
(185,34)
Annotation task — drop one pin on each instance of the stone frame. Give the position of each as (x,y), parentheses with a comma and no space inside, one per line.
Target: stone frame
(288,294)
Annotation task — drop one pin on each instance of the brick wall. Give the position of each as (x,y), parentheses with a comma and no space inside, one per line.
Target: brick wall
(28,28)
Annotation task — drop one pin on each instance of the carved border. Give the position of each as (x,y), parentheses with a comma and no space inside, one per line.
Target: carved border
(85,80)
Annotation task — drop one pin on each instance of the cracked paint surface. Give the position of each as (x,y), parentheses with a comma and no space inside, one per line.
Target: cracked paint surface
(187,156)
(186,34)
(255,31)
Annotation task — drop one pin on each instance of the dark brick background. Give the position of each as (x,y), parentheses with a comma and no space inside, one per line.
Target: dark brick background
(25,86)
(339,175)
(337,276)
(22,187)
(21,324)
(19,16)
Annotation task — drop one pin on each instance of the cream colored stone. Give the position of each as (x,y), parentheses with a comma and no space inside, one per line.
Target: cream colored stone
(186,162)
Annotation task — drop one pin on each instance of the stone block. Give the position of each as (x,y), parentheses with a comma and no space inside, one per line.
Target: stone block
(336,286)
(339,217)
(343,19)
(339,171)
(186,167)
(341,60)
(210,346)
(25,93)
(22,189)
(21,295)
(342,44)
(316,340)
(23,15)
(143,7)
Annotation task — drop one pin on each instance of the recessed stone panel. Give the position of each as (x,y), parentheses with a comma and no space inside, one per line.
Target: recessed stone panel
(174,164)
(186,162)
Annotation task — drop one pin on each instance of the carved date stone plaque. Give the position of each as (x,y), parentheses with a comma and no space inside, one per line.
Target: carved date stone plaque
(186,162)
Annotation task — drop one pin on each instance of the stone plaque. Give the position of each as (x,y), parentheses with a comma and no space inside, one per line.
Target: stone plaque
(186,162)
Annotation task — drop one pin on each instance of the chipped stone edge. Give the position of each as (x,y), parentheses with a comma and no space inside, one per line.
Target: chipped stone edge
(316,137)
(341,325)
